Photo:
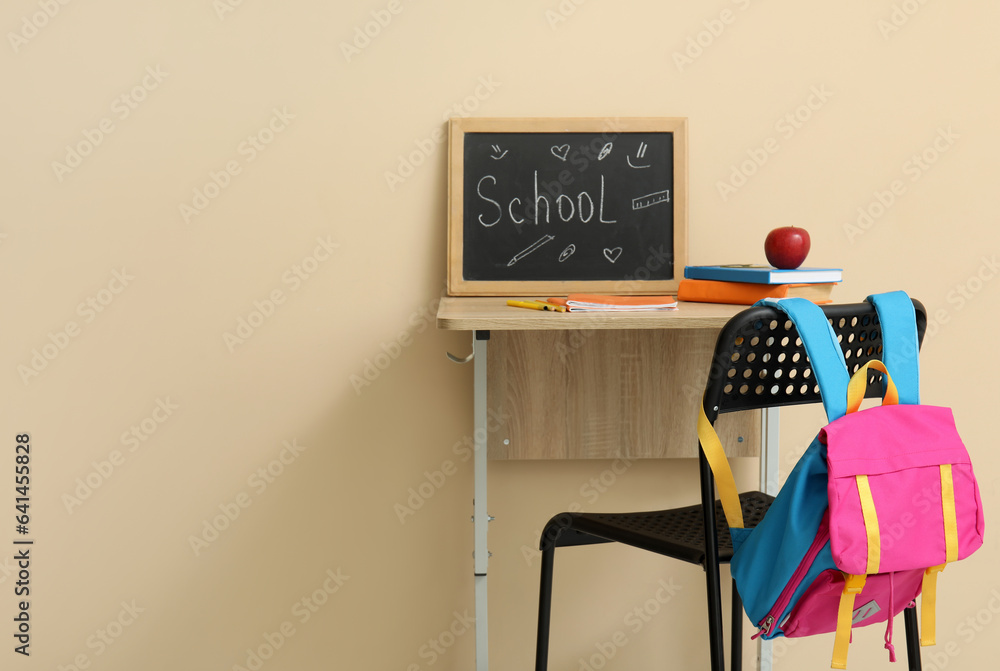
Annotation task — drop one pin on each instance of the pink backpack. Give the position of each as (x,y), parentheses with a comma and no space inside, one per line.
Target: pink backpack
(886,464)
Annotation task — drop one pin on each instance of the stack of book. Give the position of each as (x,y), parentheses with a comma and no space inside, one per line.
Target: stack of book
(747,284)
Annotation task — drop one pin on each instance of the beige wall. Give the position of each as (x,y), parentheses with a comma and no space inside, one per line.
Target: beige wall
(212,413)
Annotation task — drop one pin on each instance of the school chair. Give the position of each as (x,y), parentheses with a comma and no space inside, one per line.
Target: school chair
(759,362)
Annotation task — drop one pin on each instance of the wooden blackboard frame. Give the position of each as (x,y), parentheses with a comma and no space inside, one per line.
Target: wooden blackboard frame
(458,127)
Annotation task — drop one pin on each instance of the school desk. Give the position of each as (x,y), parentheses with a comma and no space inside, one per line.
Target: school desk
(595,385)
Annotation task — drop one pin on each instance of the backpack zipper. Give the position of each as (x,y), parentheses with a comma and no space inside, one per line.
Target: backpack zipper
(765,626)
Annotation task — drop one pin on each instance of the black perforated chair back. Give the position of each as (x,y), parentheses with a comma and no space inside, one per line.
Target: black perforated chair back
(760,361)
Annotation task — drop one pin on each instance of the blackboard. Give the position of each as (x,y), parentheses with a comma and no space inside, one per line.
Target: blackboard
(542,206)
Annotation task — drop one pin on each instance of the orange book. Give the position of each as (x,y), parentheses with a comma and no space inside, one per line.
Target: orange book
(746,293)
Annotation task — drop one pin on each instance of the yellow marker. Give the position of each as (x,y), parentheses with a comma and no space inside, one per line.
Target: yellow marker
(531,305)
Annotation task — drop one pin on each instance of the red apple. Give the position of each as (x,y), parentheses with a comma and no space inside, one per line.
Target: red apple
(787,247)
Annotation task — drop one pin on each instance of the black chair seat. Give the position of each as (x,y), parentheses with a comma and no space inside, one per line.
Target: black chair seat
(678,533)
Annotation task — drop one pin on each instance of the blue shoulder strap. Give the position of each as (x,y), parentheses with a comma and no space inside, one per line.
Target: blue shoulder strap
(825,355)
(899,343)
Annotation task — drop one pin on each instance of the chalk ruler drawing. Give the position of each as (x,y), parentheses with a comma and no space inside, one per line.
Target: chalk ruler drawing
(528,250)
(651,199)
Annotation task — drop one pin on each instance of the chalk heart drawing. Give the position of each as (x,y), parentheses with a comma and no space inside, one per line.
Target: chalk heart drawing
(560,151)
(612,254)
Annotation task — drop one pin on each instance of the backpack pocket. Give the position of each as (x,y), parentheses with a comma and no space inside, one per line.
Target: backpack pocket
(883,594)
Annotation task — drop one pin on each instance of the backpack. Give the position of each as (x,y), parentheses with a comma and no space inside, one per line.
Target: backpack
(879,503)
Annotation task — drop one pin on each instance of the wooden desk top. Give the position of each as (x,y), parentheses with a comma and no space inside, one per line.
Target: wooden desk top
(491,313)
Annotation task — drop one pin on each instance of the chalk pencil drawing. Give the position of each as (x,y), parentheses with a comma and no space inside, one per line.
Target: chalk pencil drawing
(528,250)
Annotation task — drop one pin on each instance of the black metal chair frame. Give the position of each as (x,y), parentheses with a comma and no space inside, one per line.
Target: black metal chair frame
(759,362)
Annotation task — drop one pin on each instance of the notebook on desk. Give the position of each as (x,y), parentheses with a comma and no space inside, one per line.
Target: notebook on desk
(603,303)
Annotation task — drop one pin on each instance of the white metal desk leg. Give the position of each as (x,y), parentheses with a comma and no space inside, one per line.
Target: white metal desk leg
(480,517)
(770,460)
(769,464)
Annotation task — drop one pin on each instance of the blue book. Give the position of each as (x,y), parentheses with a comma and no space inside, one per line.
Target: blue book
(758,274)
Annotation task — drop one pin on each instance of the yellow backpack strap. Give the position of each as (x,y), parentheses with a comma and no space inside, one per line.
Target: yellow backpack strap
(724,481)
(928,602)
(853,584)
(871,524)
(949,515)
